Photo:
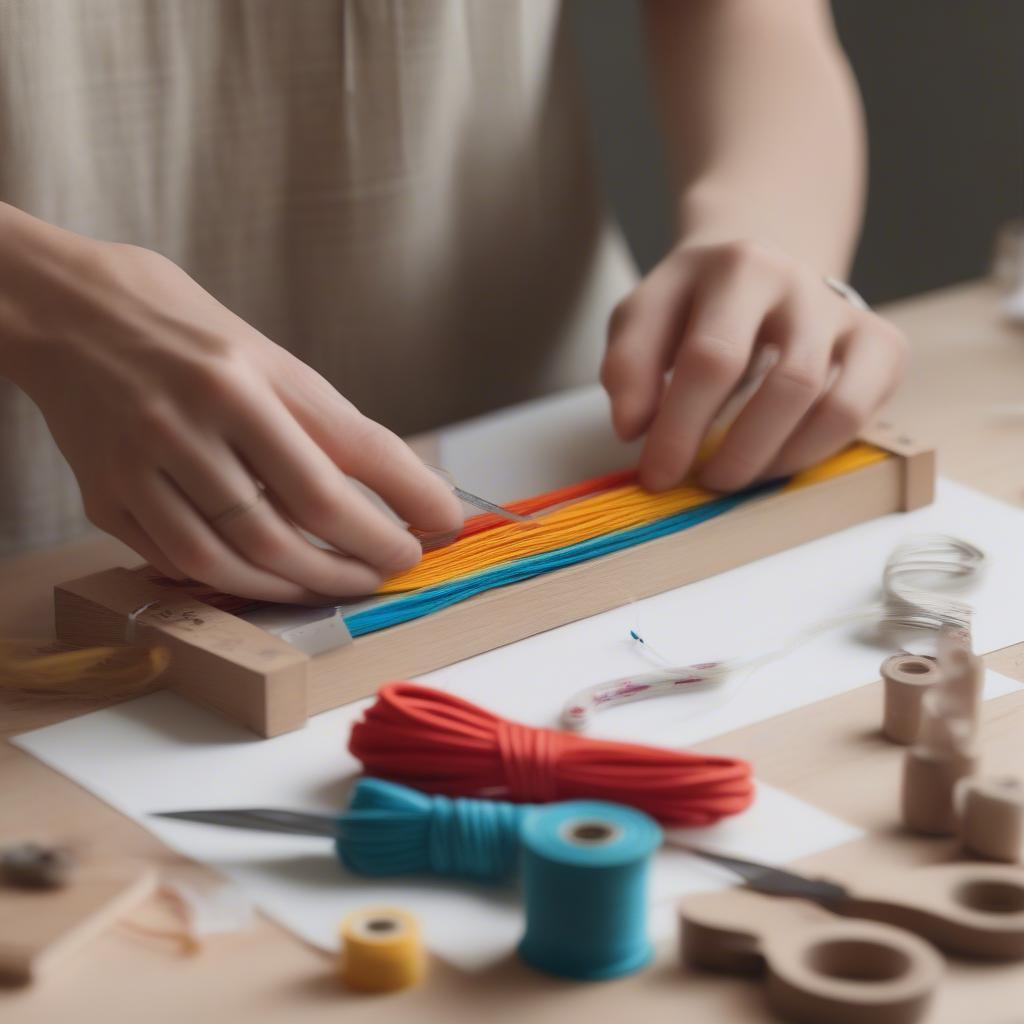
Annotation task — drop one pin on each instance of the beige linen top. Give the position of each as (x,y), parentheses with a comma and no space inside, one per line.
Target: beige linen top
(398,191)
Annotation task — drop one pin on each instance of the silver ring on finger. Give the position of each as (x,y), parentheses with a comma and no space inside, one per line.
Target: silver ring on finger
(848,292)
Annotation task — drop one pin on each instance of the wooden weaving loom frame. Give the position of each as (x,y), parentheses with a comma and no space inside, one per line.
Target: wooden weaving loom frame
(264,683)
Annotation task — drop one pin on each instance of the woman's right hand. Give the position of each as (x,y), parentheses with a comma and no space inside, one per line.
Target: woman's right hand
(196,440)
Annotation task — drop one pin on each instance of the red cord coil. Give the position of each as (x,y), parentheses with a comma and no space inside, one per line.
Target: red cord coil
(442,744)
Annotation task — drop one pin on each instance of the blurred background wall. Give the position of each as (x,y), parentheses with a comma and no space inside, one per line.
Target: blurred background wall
(943,85)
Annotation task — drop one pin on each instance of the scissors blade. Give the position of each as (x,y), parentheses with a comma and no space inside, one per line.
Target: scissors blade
(771,880)
(261,819)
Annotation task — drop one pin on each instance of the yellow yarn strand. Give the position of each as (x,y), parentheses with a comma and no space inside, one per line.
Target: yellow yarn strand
(30,669)
(607,512)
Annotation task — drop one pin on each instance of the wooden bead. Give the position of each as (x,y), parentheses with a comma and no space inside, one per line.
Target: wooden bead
(992,818)
(907,678)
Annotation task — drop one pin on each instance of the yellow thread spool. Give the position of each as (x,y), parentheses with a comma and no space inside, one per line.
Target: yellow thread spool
(381,950)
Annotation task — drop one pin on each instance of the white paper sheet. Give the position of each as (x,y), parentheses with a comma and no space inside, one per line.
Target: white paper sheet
(163,753)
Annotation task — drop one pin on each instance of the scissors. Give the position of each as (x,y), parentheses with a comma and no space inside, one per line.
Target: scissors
(877,968)
(262,819)
(971,909)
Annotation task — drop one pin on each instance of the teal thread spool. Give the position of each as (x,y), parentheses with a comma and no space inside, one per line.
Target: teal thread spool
(585,867)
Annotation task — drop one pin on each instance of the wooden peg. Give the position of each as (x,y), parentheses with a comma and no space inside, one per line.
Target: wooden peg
(943,755)
(907,678)
(992,818)
(818,967)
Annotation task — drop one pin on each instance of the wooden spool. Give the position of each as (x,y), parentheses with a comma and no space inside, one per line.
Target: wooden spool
(907,678)
(992,818)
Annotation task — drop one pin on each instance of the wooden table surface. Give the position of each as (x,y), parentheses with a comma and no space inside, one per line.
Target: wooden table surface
(965,391)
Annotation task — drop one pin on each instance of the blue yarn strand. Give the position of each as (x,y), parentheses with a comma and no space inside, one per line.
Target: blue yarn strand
(394,830)
(433,599)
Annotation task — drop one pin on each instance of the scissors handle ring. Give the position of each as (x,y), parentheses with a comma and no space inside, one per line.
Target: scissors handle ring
(850,971)
(970,909)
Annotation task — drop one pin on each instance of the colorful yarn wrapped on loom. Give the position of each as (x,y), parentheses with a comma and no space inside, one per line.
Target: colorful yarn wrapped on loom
(432,599)
(440,743)
(606,514)
(605,505)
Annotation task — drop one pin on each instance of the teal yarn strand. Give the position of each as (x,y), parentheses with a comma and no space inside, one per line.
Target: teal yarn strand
(585,868)
(394,830)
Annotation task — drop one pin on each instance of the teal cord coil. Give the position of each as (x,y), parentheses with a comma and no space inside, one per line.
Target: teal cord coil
(394,830)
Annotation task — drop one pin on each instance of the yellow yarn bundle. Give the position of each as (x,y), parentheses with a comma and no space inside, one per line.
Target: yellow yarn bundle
(90,672)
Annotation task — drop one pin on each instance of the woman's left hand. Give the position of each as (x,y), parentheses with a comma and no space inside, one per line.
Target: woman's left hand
(682,342)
